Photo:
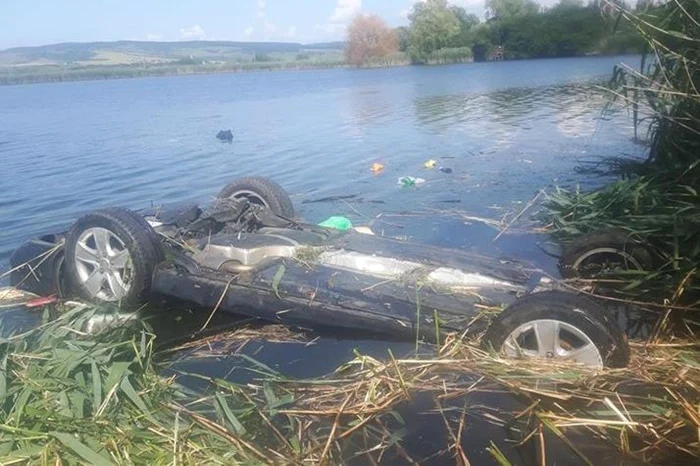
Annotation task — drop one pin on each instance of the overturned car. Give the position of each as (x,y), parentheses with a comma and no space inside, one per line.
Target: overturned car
(249,255)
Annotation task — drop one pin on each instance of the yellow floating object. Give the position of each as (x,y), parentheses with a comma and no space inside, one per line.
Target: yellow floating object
(377,167)
(430,163)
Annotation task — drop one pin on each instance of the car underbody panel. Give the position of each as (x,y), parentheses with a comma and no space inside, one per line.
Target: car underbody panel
(354,281)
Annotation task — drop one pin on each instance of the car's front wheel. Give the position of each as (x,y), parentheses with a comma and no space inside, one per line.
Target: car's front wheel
(110,256)
(556,325)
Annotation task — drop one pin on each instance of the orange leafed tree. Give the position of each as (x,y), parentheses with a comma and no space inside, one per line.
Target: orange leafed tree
(369,37)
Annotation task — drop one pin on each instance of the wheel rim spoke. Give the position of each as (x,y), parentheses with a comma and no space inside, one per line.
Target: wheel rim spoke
(251,196)
(102,237)
(85,254)
(514,350)
(116,285)
(547,334)
(587,354)
(94,282)
(120,259)
(543,339)
(103,262)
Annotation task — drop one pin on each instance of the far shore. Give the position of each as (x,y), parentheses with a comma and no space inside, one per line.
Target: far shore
(50,74)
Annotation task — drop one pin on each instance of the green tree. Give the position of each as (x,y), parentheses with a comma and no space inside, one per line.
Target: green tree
(508,9)
(434,25)
(482,42)
(402,33)
(572,3)
(467,22)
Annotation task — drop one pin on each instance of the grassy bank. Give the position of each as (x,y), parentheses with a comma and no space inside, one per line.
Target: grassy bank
(69,397)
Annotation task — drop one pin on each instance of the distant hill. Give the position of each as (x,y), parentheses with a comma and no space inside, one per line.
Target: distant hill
(132,52)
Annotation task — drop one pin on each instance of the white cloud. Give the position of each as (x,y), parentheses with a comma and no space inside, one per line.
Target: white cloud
(248,31)
(270,27)
(292,32)
(192,33)
(262,6)
(153,37)
(345,10)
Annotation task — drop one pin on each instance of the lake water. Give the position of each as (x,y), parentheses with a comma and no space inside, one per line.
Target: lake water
(506,130)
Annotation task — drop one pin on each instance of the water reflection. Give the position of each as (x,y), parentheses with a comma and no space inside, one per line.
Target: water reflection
(512,109)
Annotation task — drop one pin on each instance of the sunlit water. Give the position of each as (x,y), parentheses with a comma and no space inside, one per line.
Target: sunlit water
(506,130)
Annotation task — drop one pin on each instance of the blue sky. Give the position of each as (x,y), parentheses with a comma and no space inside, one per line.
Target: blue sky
(36,22)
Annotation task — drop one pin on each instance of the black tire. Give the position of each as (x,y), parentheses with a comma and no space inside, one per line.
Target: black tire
(158,249)
(591,255)
(575,311)
(263,191)
(129,234)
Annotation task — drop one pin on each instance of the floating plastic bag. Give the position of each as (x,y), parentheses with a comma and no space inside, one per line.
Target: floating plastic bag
(430,163)
(338,223)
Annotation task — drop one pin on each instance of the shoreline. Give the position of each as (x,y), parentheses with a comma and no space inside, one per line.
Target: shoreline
(83,74)
(125,72)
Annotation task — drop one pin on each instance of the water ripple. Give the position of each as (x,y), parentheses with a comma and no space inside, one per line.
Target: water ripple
(506,129)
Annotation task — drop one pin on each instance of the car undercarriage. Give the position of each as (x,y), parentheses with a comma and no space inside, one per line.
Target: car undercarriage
(248,254)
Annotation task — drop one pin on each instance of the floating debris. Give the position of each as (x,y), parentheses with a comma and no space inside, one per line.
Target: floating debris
(376,168)
(408,181)
(225,135)
(336,222)
(13,297)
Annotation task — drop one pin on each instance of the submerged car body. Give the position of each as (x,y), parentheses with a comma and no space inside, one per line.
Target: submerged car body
(315,276)
(244,257)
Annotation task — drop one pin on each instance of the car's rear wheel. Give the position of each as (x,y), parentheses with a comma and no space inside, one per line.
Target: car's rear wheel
(260,191)
(556,325)
(110,256)
(603,254)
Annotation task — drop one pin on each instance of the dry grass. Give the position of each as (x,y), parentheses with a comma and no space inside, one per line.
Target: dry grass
(648,411)
(126,407)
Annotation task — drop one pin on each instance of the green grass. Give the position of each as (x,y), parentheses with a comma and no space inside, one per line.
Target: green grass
(68,398)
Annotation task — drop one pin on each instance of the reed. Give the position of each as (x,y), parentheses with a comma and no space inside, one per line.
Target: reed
(655,199)
(70,397)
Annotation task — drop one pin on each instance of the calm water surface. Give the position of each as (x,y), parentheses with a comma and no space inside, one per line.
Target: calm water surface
(506,130)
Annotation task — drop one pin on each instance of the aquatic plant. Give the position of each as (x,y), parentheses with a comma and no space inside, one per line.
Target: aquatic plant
(70,397)
(656,199)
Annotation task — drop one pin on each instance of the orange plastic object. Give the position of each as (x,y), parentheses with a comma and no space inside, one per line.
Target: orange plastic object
(377,167)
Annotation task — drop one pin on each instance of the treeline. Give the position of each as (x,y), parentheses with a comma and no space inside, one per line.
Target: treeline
(442,33)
